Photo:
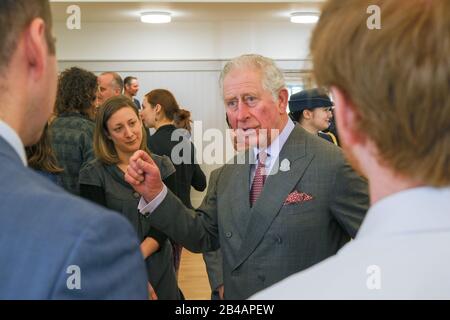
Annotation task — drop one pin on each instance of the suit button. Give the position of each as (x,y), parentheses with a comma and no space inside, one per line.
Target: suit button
(136,195)
(261,277)
(228,234)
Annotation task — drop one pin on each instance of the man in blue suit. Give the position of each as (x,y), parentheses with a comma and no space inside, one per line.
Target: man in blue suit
(52,245)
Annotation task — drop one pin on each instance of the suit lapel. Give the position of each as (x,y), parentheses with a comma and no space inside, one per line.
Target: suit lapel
(276,189)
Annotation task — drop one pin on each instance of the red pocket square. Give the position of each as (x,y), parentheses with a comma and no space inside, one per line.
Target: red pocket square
(297,197)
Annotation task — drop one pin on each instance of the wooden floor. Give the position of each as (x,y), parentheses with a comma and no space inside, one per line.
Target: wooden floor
(192,277)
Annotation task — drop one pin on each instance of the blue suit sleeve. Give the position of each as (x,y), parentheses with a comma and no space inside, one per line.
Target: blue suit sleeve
(105,263)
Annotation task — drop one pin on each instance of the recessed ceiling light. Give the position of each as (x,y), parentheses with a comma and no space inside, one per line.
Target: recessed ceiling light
(156,17)
(304,17)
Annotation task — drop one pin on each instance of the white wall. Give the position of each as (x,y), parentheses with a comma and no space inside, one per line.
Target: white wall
(182,41)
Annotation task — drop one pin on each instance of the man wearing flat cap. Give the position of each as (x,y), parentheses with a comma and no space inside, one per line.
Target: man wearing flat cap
(312,109)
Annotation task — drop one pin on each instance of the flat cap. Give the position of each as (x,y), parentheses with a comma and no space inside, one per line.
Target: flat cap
(309,99)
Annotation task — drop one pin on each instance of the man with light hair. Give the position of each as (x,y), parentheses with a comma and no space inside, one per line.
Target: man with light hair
(110,84)
(391,92)
(269,222)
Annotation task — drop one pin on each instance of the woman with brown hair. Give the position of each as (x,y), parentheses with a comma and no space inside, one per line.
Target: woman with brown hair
(161,111)
(119,133)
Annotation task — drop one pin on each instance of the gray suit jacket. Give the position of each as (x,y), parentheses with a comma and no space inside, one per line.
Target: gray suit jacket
(213,259)
(268,242)
(45,232)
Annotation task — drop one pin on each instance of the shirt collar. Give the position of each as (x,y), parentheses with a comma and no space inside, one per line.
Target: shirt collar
(10,136)
(411,210)
(273,150)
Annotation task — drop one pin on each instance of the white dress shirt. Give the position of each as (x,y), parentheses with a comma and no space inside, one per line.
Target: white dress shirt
(272,151)
(10,136)
(402,251)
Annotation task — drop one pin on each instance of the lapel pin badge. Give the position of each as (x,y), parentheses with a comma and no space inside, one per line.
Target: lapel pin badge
(285,165)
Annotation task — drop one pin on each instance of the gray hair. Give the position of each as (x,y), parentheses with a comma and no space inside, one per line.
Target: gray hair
(272,77)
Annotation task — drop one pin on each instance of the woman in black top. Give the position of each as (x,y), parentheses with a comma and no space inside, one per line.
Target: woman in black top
(118,134)
(160,110)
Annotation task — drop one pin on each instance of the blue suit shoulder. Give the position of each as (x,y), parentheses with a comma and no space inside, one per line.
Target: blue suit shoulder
(46,232)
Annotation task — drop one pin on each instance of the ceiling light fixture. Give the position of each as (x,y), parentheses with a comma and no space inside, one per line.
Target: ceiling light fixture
(156,17)
(304,17)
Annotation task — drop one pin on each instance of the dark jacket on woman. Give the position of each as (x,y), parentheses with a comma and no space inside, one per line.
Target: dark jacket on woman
(187,174)
(106,185)
(72,136)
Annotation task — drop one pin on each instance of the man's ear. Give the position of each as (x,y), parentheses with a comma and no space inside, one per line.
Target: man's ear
(347,118)
(36,50)
(283,97)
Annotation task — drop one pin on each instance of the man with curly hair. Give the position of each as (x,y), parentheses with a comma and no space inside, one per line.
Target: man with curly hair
(72,132)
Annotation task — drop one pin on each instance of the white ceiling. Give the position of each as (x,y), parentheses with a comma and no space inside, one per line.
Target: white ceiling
(183,11)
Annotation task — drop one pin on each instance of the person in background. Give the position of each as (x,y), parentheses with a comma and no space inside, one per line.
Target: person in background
(51,246)
(312,109)
(42,159)
(110,84)
(72,131)
(119,133)
(393,116)
(162,112)
(130,89)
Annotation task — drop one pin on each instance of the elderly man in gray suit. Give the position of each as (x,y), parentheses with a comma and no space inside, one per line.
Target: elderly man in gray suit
(268,226)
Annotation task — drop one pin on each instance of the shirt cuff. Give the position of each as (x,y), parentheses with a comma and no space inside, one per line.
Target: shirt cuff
(146,208)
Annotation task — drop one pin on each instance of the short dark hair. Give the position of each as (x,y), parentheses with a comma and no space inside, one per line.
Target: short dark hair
(298,115)
(77,91)
(15,16)
(127,81)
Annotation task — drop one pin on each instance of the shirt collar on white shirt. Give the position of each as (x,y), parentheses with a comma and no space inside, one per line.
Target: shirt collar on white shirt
(11,137)
(412,210)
